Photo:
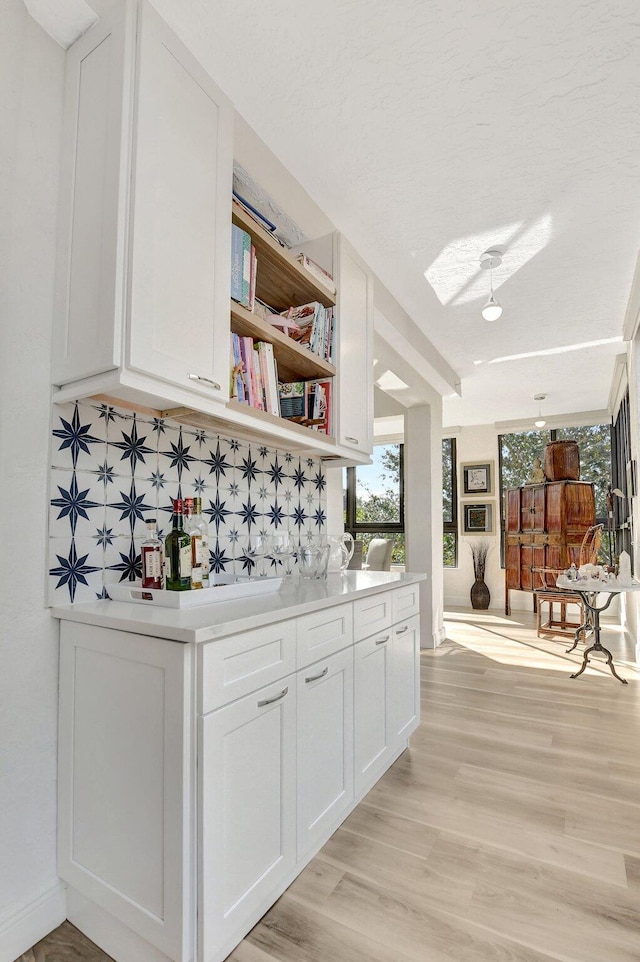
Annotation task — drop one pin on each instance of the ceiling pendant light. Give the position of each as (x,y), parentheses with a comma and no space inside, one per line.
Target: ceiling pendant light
(490,259)
(540,422)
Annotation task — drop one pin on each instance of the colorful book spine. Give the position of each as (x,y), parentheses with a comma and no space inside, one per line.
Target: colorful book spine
(246,353)
(269,377)
(237,248)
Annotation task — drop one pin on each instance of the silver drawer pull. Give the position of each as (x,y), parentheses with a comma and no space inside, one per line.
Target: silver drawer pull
(206,380)
(321,675)
(353,440)
(270,701)
(382,641)
(401,631)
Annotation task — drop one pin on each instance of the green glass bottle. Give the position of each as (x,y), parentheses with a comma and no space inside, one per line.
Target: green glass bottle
(178,552)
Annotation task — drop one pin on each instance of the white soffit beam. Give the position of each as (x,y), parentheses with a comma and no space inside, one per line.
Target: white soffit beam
(579,419)
(632,313)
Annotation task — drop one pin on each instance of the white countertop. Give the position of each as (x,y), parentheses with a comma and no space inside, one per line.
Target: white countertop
(295,597)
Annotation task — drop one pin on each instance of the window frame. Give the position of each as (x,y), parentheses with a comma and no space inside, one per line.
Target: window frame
(451,527)
(382,527)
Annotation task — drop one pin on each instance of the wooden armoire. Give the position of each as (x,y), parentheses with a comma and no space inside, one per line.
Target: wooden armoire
(545,525)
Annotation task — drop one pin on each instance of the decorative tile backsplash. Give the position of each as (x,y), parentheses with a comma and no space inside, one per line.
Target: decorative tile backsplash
(112,469)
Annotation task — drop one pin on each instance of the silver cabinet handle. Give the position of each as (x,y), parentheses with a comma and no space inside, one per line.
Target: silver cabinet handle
(401,631)
(206,380)
(382,641)
(270,701)
(321,675)
(353,440)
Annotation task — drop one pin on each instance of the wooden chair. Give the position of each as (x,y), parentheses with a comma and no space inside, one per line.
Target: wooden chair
(548,595)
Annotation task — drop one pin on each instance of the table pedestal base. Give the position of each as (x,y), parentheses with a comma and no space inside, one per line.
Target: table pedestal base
(591,606)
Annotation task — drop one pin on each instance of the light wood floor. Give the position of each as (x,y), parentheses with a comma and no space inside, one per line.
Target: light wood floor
(509,831)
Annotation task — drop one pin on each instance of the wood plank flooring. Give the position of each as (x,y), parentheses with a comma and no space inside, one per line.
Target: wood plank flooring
(508,832)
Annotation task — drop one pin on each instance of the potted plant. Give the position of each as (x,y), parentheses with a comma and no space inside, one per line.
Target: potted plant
(480,595)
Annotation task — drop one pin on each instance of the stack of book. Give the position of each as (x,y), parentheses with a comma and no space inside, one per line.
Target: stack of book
(308,403)
(319,273)
(254,374)
(316,328)
(244,266)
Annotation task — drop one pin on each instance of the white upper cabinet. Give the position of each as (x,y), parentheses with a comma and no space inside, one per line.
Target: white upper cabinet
(355,355)
(143,278)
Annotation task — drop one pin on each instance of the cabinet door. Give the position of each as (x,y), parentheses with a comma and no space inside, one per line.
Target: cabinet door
(404,681)
(371,723)
(533,507)
(246,772)
(325,748)
(355,358)
(181,218)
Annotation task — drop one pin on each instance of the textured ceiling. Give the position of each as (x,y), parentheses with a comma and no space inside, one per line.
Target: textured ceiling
(433,129)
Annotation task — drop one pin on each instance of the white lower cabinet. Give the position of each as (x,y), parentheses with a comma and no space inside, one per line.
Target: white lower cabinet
(247,777)
(325,749)
(372,658)
(197,780)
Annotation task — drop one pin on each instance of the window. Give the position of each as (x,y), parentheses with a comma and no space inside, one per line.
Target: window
(449,504)
(374,499)
(518,452)
(623,477)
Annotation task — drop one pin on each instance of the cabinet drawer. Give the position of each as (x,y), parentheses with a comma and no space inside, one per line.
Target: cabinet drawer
(324,632)
(405,602)
(242,663)
(371,615)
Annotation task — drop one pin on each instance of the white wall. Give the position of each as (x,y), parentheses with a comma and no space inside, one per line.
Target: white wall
(31,84)
(479,442)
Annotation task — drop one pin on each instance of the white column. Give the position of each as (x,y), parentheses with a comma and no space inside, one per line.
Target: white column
(423,513)
(335,500)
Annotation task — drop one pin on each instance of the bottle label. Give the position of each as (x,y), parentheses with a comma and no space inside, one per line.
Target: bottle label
(151,567)
(185,563)
(196,577)
(197,550)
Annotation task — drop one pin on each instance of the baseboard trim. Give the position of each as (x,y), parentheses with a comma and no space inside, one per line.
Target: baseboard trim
(21,926)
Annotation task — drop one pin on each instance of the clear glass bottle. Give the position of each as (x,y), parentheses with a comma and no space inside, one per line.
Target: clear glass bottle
(152,560)
(195,534)
(178,551)
(200,523)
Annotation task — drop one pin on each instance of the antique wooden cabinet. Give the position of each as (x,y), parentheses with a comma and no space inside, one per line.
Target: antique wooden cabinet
(545,525)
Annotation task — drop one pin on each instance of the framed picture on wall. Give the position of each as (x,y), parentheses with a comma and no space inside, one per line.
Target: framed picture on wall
(477,478)
(478,518)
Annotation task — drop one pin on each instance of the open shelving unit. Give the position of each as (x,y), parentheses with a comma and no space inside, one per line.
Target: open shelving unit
(281,282)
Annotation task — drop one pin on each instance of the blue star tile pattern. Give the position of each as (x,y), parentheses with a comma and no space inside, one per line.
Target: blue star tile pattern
(299,517)
(133,447)
(75,436)
(72,570)
(320,481)
(299,479)
(104,536)
(266,491)
(248,513)
(249,469)
(218,464)
(180,457)
(275,514)
(130,564)
(275,473)
(105,473)
(218,559)
(73,503)
(106,411)
(217,513)
(132,506)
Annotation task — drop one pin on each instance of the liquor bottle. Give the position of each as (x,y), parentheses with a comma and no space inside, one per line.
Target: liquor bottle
(200,522)
(196,543)
(152,561)
(178,551)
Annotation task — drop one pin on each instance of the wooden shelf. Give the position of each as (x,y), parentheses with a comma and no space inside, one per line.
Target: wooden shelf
(281,281)
(295,363)
(283,423)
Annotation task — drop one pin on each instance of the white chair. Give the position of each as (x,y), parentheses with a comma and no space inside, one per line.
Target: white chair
(379,554)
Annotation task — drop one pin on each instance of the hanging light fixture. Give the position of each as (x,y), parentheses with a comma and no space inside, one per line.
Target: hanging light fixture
(540,422)
(490,259)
